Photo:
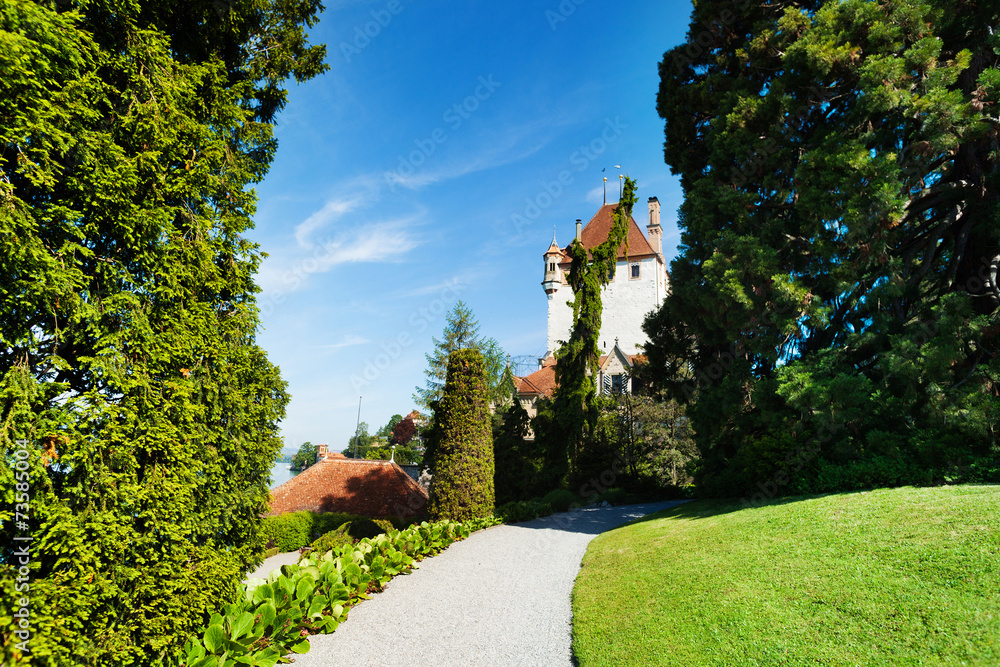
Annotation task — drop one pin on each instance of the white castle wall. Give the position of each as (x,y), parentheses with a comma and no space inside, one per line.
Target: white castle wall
(625,302)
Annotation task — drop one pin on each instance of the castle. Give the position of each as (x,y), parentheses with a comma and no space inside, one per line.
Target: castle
(637,287)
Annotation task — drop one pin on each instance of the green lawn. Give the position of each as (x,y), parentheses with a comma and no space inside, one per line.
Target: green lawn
(889,577)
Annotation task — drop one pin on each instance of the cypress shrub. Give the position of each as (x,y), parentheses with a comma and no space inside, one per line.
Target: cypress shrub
(463,475)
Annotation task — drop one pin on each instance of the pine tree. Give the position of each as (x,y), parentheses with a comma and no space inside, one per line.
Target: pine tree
(462,487)
(833,314)
(461,331)
(130,378)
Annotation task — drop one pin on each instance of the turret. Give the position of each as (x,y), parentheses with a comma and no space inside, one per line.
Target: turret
(553,276)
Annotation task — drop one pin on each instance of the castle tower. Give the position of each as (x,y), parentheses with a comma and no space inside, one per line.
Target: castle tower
(553,274)
(636,288)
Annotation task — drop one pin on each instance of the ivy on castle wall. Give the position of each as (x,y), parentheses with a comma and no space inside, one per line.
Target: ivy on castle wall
(574,406)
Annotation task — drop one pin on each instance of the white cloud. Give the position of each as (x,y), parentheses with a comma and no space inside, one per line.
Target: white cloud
(331,211)
(349,341)
(289,270)
(596,196)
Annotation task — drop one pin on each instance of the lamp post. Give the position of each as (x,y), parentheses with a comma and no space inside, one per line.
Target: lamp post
(357,429)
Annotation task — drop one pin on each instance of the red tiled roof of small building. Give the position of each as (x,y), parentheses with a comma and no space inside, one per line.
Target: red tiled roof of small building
(540,383)
(367,488)
(596,233)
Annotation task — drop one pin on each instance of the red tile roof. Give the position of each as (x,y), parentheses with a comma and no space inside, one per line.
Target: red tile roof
(540,383)
(596,233)
(543,381)
(368,488)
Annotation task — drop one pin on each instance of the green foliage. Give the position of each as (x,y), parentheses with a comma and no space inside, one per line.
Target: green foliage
(359,443)
(130,138)
(517,461)
(835,303)
(333,539)
(560,500)
(305,457)
(294,530)
(460,332)
(614,496)
(387,430)
(462,487)
(517,511)
(574,411)
(273,618)
(402,455)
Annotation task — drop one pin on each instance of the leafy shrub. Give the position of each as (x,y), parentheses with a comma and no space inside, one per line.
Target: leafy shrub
(560,499)
(273,617)
(272,551)
(295,530)
(325,522)
(288,531)
(332,539)
(523,510)
(614,496)
(463,469)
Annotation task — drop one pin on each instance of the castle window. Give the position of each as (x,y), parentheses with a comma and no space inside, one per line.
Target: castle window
(552,266)
(634,270)
(616,384)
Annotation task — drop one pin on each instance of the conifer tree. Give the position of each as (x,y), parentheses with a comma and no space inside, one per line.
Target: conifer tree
(461,331)
(462,487)
(131,382)
(833,314)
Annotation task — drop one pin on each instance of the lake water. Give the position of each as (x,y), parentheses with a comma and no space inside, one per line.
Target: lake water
(281,474)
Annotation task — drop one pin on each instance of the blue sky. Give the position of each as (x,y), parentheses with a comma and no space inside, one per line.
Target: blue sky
(425,167)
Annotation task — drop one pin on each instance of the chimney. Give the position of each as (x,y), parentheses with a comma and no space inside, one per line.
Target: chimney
(655,231)
(321,452)
(578,228)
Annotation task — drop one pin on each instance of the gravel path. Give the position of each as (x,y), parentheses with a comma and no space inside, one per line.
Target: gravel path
(500,597)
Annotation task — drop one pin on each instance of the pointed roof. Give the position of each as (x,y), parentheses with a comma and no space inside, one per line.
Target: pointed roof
(596,233)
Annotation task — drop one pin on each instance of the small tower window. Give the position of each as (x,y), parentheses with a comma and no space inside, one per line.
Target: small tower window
(634,270)
(552,266)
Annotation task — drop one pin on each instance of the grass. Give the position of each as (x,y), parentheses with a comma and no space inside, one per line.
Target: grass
(890,577)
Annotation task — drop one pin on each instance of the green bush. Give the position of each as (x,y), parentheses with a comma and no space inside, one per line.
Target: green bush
(289,531)
(560,499)
(463,470)
(522,510)
(327,521)
(295,530)
(615,496)
(332,539)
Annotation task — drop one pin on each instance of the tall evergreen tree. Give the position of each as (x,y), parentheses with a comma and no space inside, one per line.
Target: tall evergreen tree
(461,331)
(462,487)
(130,379)
(835,298)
